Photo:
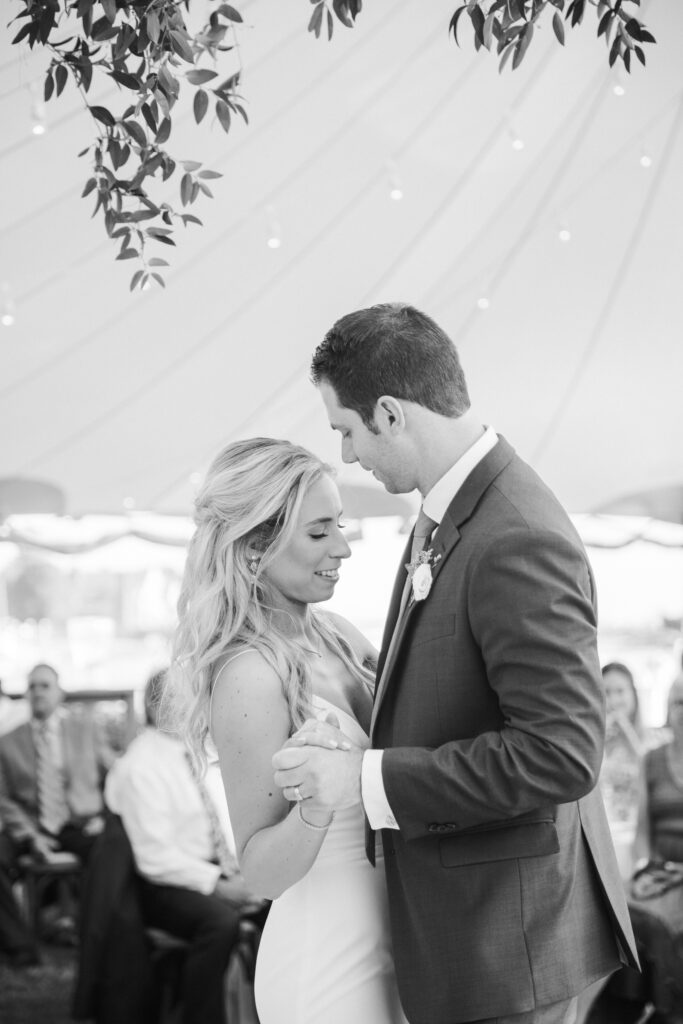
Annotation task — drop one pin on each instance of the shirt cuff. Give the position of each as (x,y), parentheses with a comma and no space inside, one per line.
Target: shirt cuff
(206,879)
(377,807)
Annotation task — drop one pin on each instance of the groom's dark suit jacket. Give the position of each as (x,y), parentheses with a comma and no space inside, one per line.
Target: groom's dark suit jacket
(504,891)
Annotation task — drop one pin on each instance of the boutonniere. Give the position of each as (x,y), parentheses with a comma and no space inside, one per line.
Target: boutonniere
(420,573)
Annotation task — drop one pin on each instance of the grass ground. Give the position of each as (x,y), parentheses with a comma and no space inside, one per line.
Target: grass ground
(42,994)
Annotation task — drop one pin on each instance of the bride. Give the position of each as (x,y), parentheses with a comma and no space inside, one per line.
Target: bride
(254,659)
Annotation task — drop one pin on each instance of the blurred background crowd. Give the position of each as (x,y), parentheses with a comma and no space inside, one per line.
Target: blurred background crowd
(110,844)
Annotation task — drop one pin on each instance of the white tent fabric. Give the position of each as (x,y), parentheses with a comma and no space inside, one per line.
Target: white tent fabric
(121,399)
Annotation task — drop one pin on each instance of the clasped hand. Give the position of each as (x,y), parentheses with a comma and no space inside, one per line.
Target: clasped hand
(319,765)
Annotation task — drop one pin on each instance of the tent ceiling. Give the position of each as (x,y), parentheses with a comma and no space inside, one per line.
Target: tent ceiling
(118,398)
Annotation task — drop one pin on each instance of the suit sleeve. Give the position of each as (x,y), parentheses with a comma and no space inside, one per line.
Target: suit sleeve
(531,613)
(14,820)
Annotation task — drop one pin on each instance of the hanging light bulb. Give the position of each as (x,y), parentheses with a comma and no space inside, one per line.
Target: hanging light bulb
(38,117)
(645,160)
(483,303)
(7,317)
(618,88)
(516,140)
(564,234)
(129,504)
(395,186)
(274,233)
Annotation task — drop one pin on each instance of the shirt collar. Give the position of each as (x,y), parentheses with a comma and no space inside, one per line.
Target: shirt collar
(50,727)
(444,490)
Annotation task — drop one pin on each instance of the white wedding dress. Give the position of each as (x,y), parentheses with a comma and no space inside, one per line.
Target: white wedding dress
(325,956)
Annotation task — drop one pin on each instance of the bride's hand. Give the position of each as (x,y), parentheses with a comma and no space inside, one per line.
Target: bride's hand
(309,767)
(314,733)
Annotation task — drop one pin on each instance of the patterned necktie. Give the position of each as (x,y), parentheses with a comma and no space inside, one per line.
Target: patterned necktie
(224,858)
(424,527)
(53,812)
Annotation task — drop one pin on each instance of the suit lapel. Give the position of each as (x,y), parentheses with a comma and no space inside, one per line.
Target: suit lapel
(446,538)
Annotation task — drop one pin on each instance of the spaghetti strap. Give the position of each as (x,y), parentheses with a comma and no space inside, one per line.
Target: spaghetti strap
(233,657)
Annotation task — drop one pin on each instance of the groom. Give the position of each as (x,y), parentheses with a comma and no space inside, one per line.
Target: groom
(487,731)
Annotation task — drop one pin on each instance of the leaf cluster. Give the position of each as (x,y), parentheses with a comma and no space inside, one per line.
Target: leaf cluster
(145,47)
(346,11)
(508,25)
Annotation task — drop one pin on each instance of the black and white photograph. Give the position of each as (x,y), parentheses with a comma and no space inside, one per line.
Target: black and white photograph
(341,512)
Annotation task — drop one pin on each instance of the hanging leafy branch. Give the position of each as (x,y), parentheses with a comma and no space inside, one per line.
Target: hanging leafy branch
(508,26)
(146,48)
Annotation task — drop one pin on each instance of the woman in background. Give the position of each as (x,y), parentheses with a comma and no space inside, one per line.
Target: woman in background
(657,908)
(660,814)
(621,767)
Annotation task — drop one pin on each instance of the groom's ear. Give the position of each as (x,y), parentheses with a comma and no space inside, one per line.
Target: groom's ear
(389,414)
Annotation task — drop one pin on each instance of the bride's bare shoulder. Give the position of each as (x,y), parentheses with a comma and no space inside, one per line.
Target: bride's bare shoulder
(362,648)
(245,686)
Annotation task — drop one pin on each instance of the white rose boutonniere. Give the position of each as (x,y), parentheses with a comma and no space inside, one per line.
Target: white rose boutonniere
(420,573)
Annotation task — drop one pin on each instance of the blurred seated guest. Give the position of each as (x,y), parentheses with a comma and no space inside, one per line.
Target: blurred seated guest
(656,899)
(51,773)
(12,712)
(660,818)
(621,767)
(619,782)
(190,883)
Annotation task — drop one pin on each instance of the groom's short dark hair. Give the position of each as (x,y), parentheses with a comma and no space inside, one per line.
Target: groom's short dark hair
(391,349)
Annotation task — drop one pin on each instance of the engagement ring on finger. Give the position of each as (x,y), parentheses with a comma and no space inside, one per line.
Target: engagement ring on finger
(297,794)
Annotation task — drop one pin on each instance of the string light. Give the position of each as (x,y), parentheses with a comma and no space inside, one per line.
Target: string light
(564,234)
(395,186)
(129,504)
(483,303)
(274,234)
(618,88)
(516,140)
(7,317)
(645,160)
(38,117)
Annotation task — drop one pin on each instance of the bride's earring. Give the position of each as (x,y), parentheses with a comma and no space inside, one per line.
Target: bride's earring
(252,565)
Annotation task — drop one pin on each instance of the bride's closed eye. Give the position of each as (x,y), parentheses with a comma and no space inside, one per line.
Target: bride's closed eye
(325,533)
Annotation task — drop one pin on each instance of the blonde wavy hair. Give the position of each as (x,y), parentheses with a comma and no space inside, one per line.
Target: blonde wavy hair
(245,513)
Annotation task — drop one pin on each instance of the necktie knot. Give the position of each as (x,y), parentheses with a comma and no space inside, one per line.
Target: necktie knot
(424,527)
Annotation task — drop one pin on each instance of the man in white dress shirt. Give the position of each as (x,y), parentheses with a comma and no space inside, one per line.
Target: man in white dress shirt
(190,883)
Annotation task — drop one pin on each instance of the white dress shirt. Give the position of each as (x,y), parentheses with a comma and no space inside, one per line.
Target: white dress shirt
(377,807)
(153,790)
